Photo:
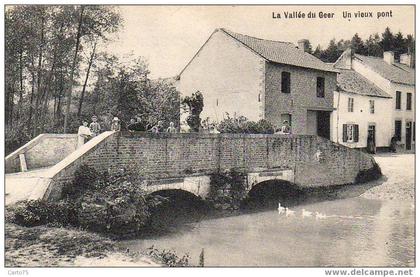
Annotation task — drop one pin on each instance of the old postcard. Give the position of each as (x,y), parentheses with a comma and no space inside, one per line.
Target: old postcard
(210,136)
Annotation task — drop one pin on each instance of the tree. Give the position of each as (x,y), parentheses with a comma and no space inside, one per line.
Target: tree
(400,47)
(357,45)
(332,53)
(194,104)
(124,89)
(387,42)
(94,22)
(373,46)
(39,48)
(317,52)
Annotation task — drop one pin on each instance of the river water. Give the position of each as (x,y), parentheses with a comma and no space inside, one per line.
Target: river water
(365,225)
(355,232)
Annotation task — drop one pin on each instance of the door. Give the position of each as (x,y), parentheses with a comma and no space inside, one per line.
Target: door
(323,124)
(371,139)
(408,134)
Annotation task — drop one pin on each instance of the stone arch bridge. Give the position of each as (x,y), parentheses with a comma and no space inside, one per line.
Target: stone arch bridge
(39,169)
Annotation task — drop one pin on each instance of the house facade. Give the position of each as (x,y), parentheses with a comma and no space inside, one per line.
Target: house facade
(375,96)
(241,75)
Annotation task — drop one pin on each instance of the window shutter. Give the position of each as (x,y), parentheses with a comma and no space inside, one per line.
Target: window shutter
(356,133)
(344,132)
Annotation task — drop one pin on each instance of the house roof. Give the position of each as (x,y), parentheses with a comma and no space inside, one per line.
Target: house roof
(274,51)
(280,52)
(397,72)
(350,81)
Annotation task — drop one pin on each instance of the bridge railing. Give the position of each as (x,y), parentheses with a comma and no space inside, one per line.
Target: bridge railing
(43,151)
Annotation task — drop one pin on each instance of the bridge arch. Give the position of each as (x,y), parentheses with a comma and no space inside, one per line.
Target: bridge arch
(269,193)
(177,207)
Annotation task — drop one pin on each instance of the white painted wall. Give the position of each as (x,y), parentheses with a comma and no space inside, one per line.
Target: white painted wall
(227,72)
(371,75)
(391,88)
(402,114)
(361,115)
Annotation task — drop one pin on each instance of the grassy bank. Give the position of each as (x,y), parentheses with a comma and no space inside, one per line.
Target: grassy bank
(44,246)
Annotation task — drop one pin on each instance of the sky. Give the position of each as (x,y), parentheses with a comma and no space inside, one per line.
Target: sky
(169,36)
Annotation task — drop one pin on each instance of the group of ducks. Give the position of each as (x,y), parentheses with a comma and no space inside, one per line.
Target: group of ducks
(287,212)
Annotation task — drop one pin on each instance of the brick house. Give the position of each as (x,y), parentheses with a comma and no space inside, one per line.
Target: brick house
(261,79)
(374,95)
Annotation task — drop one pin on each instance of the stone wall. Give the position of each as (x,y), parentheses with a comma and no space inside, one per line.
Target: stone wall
(302,96)
(178,155)
(43,151)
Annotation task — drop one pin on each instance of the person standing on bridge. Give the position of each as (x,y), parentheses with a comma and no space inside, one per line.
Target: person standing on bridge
(115,126)
(95,127)
(158,128)
(83,134)
(171,128)
(285,129)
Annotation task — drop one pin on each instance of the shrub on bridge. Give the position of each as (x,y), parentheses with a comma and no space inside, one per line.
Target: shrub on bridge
(241,125)
(85,177)
(227,189)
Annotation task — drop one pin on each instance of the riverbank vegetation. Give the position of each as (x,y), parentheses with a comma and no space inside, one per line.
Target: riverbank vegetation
(94,213)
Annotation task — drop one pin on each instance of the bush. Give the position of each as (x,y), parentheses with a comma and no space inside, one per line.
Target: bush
(368,175)
(241,125)
(227,189)
(168,257)
(85,177)
(194,104)
(31,213)
(15,137)
(114,203)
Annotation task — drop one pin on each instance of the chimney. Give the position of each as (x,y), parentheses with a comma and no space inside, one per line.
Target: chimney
(405,59)
(389,57)
(303,44)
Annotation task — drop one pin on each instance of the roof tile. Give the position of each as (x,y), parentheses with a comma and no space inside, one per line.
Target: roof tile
(281,52)
(350,81)
(397,73)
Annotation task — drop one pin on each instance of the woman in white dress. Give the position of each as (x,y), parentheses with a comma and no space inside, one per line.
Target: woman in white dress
(83,133)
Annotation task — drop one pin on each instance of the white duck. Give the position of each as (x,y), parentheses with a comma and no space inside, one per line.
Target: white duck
(281,209)
(320,215)
(289,212)
(306,213)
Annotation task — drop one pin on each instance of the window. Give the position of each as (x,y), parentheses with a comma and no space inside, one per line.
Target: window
(217,102)
(285,82)
(372,106)
(398,100)
(350,133)
(350,105)
(409,95)
(320,87)
(259,97)
(398,129)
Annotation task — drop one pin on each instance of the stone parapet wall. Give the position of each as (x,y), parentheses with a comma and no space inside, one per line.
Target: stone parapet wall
(43,151)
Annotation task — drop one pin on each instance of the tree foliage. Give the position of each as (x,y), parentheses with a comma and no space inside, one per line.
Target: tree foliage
(194,104)
(375,45)
(55,72)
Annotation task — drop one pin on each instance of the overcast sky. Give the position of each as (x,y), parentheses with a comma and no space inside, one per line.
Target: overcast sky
(169,36)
